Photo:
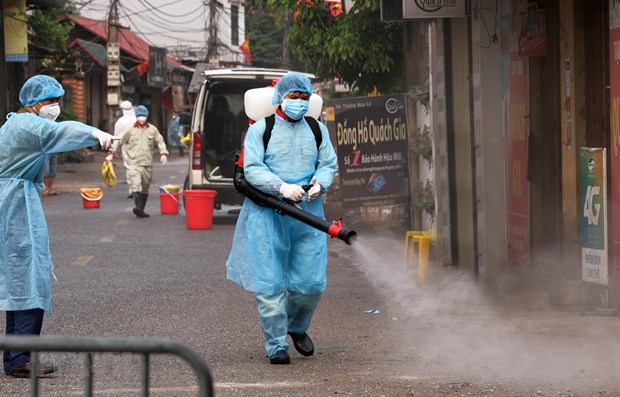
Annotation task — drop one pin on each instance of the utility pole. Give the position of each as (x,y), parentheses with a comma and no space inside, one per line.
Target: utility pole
(285,48)
(114,69)
(212,53)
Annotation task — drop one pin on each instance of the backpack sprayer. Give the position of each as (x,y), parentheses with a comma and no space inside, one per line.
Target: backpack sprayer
(283,206)
(287,207)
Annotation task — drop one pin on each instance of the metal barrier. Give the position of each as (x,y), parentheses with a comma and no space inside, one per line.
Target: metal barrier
(89,345)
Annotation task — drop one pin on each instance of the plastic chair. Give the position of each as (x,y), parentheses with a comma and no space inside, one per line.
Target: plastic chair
(423,239)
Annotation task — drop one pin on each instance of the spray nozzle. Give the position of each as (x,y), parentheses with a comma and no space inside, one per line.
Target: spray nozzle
(336,231)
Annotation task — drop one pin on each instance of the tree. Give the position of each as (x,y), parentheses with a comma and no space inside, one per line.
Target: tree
(265,36)
(50,37)
(265,24)
(355,46)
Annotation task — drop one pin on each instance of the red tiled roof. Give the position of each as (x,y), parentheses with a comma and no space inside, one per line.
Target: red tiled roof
(129,42)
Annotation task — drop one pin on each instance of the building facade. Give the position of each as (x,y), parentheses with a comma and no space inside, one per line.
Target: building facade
(518,88)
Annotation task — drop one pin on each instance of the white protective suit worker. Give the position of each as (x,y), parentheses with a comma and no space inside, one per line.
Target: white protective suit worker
(27,138)
(140,140)
(280,259)
(123,124)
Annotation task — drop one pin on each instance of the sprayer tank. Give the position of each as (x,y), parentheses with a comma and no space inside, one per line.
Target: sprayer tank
(257,102)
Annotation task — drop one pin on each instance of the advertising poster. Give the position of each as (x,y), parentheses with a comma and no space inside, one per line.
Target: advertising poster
(614,99)
(373,146)
(15,31)
(157,67)
(533,34)
(593,174)
(518,194)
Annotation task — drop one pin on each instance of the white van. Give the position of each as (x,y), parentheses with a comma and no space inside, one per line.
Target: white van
(218,125)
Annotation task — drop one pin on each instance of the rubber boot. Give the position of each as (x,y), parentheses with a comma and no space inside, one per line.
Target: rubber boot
(145,197)
(140,203)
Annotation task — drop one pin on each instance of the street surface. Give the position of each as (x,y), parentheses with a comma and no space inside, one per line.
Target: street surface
(377,332)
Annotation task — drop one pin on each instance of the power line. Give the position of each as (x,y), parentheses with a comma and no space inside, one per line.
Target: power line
(157,8)
(135,27)
(154,27)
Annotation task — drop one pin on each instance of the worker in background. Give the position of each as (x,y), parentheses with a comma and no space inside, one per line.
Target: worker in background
(122,125)
(175,133)
(140,140)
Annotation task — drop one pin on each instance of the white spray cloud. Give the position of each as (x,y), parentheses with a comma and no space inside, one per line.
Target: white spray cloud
(466,331)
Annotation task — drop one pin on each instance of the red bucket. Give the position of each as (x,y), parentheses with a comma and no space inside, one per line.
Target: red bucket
(91,196)
(169,203)
(90,203)
(199,208)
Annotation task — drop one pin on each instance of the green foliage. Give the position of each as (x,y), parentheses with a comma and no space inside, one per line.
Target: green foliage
(422,145)
(50,39)
(265,25)
(49,34)
(265,36)
(354,46)
(422,95)
(424,199)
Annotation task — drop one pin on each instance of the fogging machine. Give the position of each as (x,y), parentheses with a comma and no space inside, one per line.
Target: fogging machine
(286,207)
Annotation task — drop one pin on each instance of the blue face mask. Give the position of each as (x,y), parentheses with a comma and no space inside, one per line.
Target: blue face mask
(295,108)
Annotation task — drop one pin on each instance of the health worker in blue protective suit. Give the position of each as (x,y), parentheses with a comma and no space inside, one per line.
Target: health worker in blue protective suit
(280,259)
(27,138)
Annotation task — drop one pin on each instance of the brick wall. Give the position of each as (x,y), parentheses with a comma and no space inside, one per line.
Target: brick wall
(77,97)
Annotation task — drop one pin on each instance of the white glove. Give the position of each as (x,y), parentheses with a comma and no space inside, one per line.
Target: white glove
(105,139)
(292,192)
(163,159)
(314,190)
(109,157)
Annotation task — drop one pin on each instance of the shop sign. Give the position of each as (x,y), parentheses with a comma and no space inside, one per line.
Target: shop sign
(593,173)
(614,99)
(372,144)
(434,8)
(518,194)
(157,67)
(393,10)
(15,31)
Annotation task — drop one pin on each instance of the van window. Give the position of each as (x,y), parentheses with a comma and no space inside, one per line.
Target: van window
(225,123)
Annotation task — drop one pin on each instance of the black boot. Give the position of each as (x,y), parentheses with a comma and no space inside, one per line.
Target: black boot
(140,201)
(136,210)
(145,197)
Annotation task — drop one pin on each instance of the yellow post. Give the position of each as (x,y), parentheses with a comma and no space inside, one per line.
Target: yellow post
(424,243)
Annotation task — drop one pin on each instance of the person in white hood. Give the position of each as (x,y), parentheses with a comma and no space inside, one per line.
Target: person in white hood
(124,123)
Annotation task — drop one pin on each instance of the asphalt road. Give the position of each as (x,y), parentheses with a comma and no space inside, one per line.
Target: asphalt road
(377,331)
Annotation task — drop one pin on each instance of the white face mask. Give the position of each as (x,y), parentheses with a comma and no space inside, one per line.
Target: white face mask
(50,112)
(141,119)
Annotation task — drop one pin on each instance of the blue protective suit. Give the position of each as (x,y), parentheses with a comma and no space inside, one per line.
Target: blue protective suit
(272,253)
(174,133)
(25,261)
